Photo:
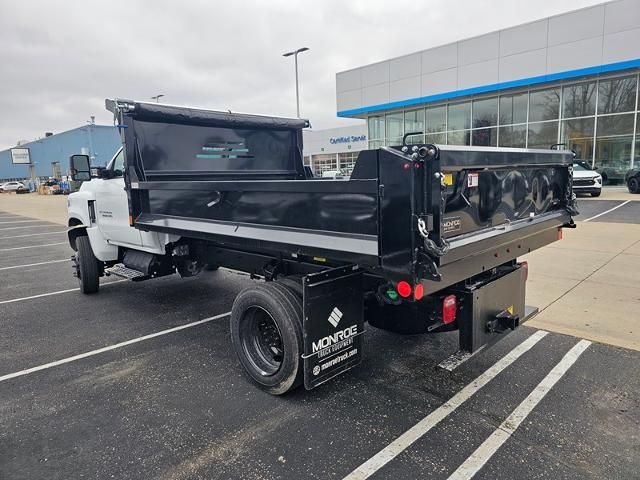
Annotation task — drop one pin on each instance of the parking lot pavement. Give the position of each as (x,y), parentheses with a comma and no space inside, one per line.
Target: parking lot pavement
(51,208)
(126,384)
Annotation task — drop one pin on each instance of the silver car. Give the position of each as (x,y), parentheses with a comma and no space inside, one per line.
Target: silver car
(12,187)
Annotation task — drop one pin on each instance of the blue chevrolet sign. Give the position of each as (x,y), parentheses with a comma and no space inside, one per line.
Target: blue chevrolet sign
(348,139)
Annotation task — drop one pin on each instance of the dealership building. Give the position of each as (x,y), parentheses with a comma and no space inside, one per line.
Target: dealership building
(570,79)
(334,149)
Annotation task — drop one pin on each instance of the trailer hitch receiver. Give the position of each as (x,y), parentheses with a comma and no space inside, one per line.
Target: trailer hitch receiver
(502,322)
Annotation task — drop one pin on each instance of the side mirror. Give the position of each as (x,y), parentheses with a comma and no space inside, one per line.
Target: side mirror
(80,169)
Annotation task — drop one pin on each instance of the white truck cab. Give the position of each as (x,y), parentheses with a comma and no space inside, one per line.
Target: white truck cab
(99,211)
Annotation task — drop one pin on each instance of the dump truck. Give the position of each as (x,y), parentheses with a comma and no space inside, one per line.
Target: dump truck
(420,238)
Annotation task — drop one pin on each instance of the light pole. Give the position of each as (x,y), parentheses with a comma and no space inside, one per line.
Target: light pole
(295,57)
(157,97)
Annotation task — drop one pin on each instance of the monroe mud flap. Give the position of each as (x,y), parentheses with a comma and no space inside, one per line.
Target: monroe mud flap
(333,323)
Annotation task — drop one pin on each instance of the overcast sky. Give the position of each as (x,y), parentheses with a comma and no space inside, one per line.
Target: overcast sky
(59,60)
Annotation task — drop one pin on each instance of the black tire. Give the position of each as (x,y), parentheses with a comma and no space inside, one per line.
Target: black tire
(266,332)
(595,194)
(634,185)
(293,283)
(87,266)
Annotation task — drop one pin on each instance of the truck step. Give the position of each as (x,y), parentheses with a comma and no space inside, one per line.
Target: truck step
(121,271)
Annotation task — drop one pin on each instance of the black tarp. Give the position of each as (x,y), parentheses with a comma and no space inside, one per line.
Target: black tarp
(154,112)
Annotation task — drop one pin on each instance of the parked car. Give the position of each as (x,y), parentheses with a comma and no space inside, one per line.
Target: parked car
(585,179)
(632,179)
(12,187)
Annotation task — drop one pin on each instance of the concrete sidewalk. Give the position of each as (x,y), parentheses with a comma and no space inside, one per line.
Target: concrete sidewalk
(588,285)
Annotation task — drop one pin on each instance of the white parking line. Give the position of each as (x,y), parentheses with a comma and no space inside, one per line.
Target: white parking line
(31,297)
(405,440)
(33,234)
(34,264)
(607,211)
(33,246)
(20,221)
(110,347)
(490,446)
(47,225)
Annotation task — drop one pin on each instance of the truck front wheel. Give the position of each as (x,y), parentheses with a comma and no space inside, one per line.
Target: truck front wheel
(266,332)
(87,266)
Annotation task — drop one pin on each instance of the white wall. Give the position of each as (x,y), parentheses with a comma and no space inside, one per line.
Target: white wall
(335,140)
(601,35)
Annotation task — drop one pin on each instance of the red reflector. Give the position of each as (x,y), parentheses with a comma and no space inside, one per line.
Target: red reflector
(406,166)
(525,268)
(449,309)
(404,289)
(418,293)
(559,234)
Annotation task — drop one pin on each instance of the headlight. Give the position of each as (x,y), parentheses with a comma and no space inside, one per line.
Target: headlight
(598,179)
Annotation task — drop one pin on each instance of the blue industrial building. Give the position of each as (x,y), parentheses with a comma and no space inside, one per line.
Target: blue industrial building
(98,141)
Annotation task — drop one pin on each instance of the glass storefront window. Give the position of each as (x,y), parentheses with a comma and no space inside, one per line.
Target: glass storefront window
(394,126)
(615,125)
(436,119)
(617,95)
(437,138)
(459,116)
(579,100)
(323,162)
(373,144)
(414,122)
(459,138)
(577,135)
(346,162)
(542,135)
(484,137)
(613,157)
(485,112)
(544,105)
(513,136)
(376,128)
(513,109)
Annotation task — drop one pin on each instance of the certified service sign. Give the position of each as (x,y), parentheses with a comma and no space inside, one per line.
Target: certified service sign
(20,156)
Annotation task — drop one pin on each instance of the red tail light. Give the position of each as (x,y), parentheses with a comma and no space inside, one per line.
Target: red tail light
(404,289)
(559,234)
(525,268)
(449,309)
(418,293)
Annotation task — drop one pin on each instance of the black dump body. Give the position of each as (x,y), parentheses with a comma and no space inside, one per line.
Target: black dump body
(434,215)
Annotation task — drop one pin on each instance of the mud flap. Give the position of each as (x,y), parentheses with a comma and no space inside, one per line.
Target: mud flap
(333,323)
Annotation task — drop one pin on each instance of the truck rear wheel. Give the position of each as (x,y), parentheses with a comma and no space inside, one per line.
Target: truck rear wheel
(87,267)
(266,332)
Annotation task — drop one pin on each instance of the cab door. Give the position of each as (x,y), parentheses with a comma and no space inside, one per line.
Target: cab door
(112,208)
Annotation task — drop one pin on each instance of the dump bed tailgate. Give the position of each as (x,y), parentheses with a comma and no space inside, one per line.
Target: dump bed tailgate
(450,212)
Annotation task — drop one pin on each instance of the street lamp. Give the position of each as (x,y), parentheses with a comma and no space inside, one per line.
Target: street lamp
(157,97)
(295,56)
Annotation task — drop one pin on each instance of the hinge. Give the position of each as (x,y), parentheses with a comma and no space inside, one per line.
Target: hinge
(381,190)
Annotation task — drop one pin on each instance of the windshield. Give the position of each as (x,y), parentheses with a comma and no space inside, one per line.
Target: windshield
(117,162)
(581,167)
